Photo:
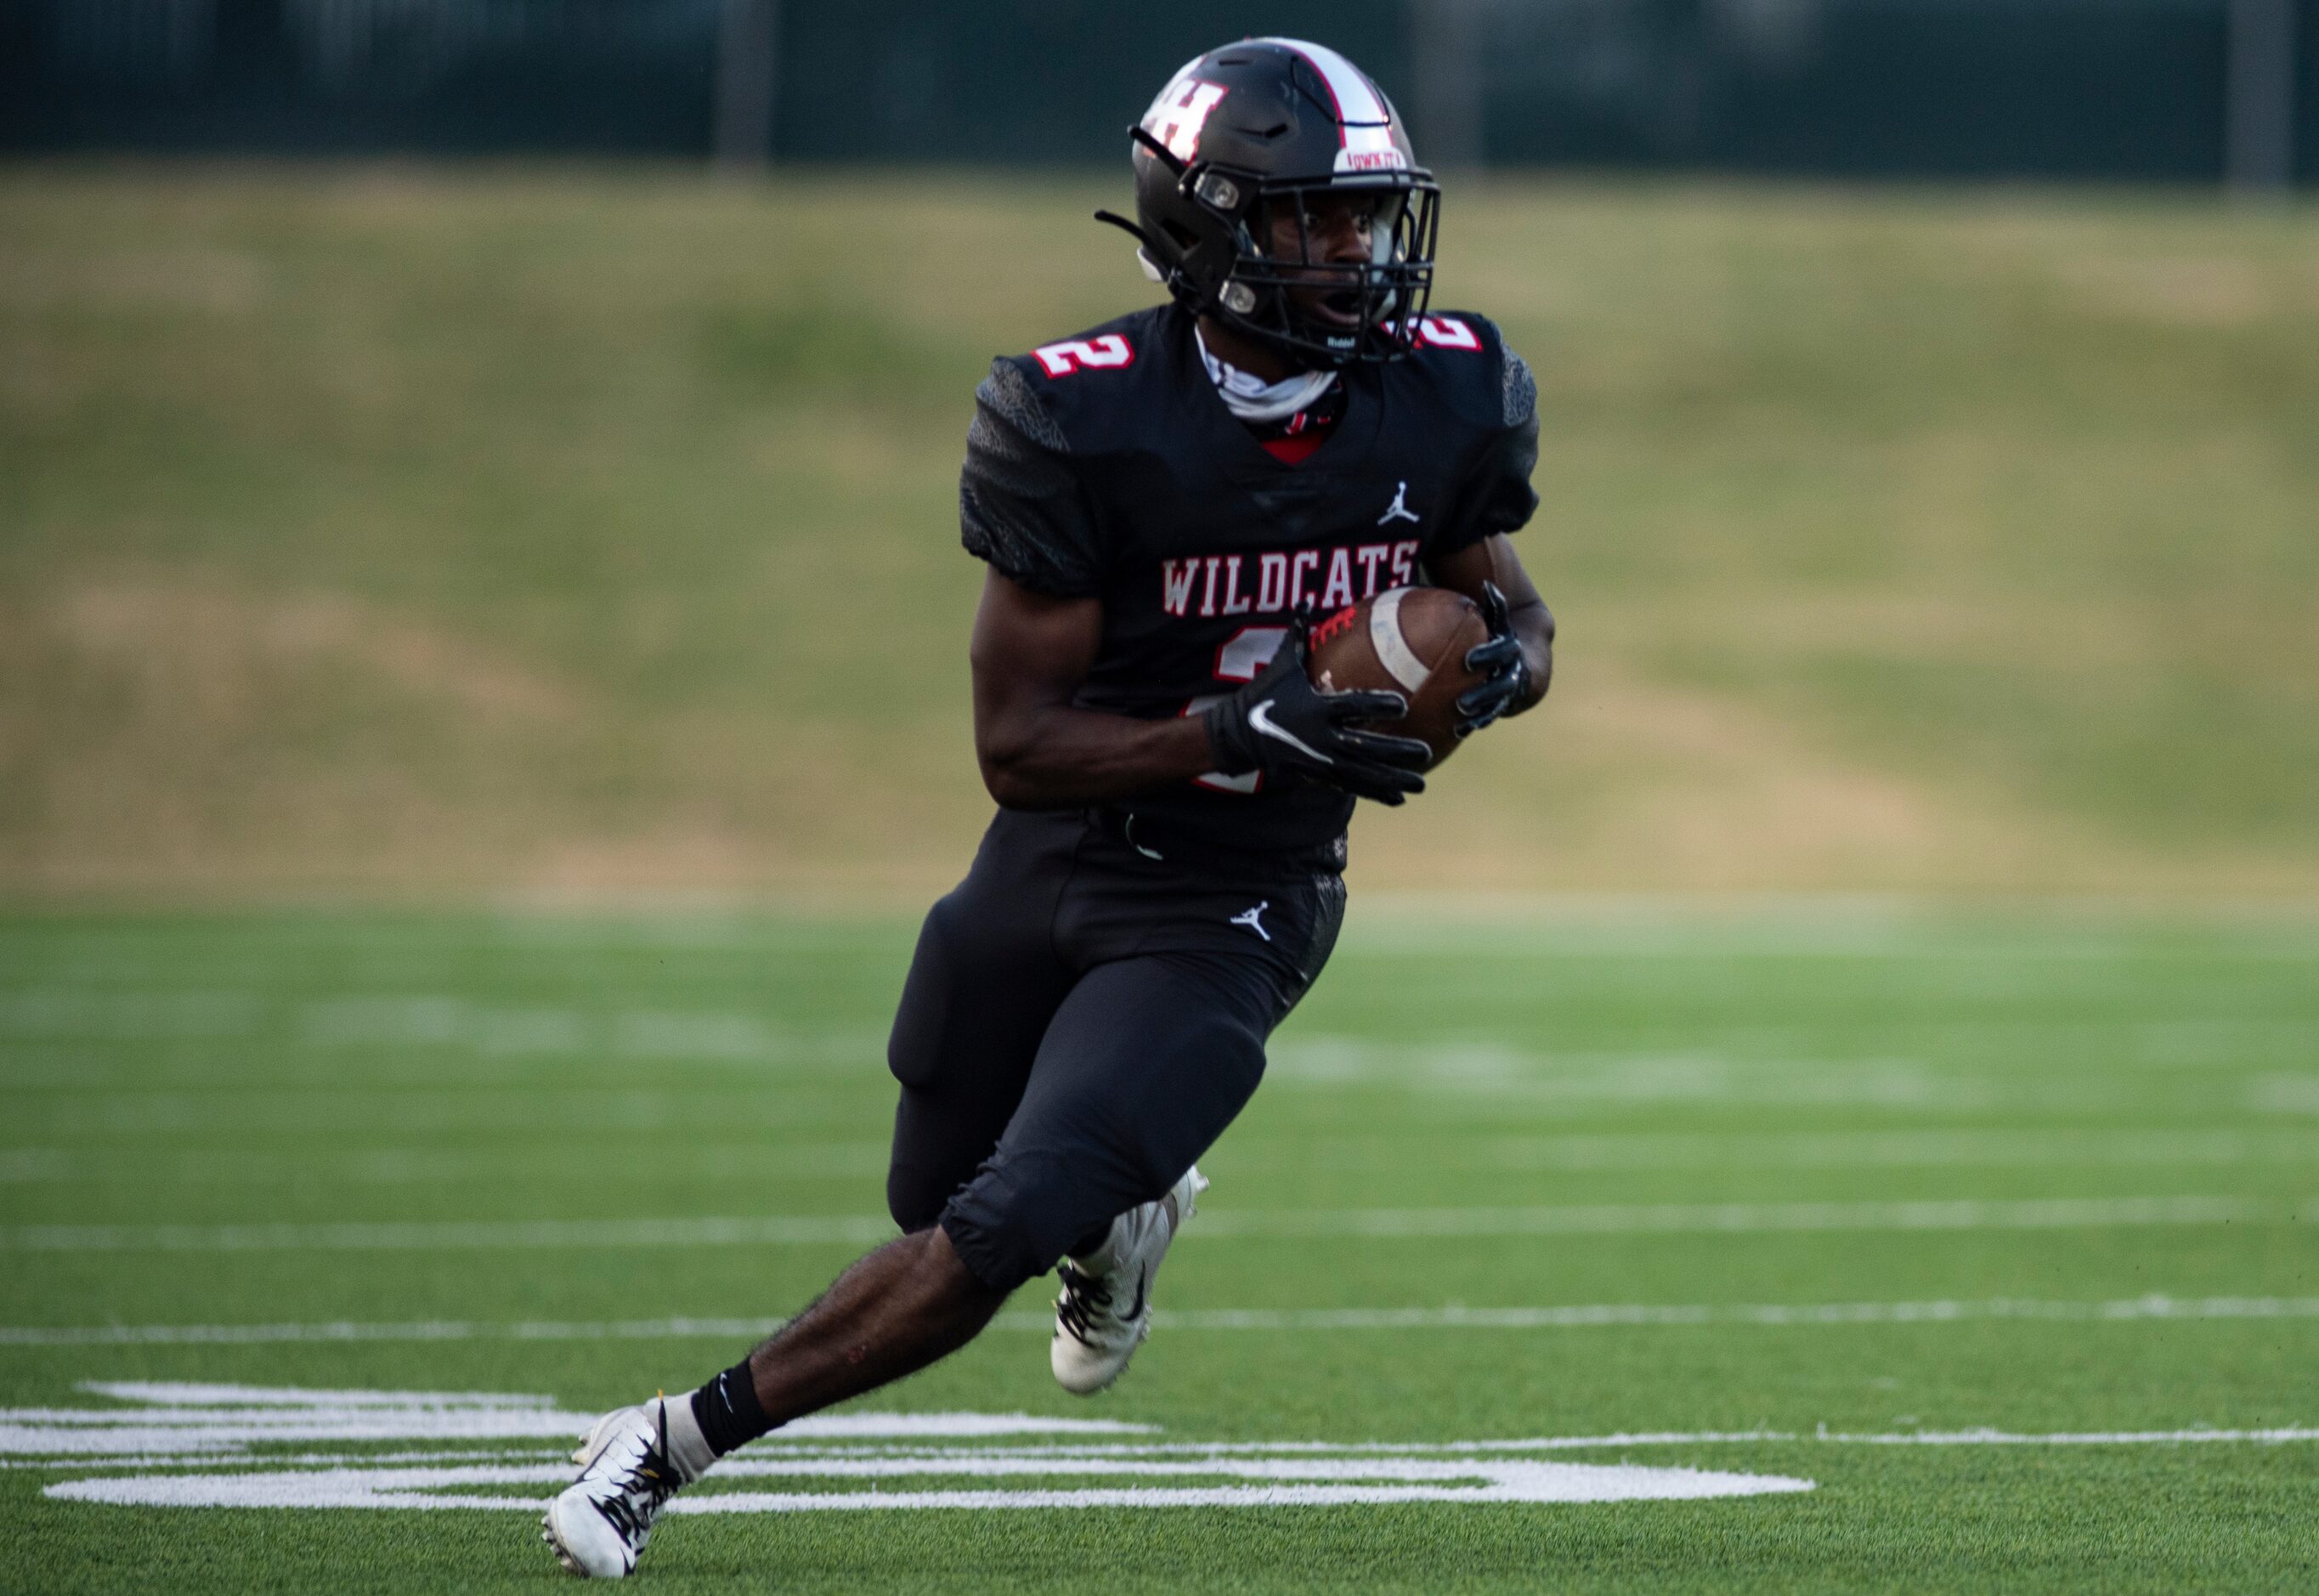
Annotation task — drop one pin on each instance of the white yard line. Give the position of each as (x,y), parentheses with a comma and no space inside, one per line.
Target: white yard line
(762,1230)
(1452,1318)
(1710,1218)
(2042,1213)
(2036,1149)
(2125,1149)
(752,1162)
(218,1423)
(162,1443)
(1821,1434)
(1821,927)
(1549,1082)
(430,1329)
(1645,1314)
(1313,1483)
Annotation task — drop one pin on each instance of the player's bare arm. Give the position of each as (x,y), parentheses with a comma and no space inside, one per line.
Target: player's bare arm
(1031,651)
(1038,751)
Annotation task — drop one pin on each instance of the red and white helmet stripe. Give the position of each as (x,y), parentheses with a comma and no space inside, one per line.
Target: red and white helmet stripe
(1357,98)
(1365,124)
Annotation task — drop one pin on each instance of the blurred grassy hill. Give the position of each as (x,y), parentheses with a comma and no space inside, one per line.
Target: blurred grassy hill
(397,533)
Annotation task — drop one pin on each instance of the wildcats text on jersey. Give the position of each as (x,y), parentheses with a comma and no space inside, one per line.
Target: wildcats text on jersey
(1275,584)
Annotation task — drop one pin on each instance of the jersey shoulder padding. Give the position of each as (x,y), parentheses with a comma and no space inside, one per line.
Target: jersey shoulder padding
(1099,388)
(1464,358)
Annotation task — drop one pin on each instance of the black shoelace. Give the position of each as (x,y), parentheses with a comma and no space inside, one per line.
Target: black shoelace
(660,1483)
(1084,1296)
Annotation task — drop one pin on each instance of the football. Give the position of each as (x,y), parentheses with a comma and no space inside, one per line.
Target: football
(1407,640)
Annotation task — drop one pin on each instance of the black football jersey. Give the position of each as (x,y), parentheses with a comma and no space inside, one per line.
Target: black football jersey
(1107,467)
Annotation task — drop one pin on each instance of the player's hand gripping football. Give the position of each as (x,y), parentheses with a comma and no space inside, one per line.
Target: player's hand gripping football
(1282,725)
(1500,660)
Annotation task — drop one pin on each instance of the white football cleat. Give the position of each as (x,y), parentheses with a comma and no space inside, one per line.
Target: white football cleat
(601,1522)
(1106,1309)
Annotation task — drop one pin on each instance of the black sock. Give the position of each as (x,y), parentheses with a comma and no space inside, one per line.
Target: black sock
(727,1411)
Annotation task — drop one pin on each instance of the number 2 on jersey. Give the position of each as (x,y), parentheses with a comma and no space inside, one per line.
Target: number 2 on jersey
(1243,658)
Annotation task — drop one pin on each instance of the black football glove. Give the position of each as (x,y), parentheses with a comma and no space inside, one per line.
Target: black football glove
(1283,726)
(1500,660)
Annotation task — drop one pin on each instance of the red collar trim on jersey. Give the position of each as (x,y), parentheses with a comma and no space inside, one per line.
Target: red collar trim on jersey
(1292,440)
(1295,447)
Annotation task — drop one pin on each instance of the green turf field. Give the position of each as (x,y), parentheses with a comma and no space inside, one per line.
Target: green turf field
(584,531)
(1982,1226)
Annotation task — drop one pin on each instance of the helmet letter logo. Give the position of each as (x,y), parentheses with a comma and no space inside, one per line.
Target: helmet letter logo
(1176,117)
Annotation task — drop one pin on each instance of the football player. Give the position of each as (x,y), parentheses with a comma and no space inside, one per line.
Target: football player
(1159,502)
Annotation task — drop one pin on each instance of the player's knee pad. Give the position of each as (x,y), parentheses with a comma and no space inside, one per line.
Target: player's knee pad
(915,1201)
(1016,1218)
(913,1047)
(927,1167)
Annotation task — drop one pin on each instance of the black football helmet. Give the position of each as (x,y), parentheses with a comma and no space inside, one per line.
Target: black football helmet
(1251,133)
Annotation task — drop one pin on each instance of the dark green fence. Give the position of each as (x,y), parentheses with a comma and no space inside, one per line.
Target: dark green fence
(2172,90)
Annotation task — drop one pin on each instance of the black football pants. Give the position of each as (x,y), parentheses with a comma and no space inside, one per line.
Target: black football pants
(1081,1022)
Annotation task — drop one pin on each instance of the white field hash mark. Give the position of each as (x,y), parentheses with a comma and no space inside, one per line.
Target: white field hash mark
(190,1431)
(2040,1213)
(1452,1317)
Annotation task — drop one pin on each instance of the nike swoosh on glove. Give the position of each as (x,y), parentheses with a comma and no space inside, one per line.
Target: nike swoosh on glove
(1500,662)
(1282,725)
